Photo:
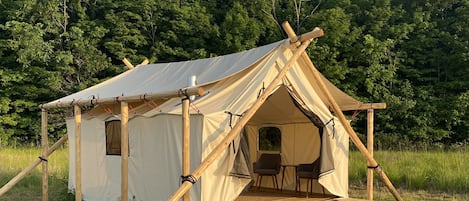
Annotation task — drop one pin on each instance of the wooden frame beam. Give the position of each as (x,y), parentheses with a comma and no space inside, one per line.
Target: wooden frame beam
(45,149)
(353,136)
(186,141)
(363,106)
(235,131)
(77,112)
(128,64)
(191,91)
(369,145)
(124,151)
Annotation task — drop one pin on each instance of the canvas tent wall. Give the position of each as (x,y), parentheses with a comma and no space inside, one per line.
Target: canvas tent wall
(233,83)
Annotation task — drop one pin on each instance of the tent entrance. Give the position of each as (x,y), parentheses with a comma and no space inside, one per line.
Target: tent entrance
(300,137)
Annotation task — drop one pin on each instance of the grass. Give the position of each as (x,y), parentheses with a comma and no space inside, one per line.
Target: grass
(417,175)
(29,188)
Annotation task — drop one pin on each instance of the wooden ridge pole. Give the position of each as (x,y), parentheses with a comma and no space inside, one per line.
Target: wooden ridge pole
(45,148)
(235,131)
(163,95)
(186,142)
(31,167)
(77,112)
(369,144)
(286,26)
(124,151)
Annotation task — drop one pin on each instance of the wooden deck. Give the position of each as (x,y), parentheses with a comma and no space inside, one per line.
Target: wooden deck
(273,195)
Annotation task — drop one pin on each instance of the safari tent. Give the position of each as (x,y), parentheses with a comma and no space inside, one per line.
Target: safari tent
(134,135)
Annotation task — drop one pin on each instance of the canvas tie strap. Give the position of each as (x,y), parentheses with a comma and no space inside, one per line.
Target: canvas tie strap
(333,126)
(261,90)
(231,117)
(374,167)
(189,178)
(42,159)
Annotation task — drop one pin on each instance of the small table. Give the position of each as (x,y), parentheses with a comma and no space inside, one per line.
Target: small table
(284,166)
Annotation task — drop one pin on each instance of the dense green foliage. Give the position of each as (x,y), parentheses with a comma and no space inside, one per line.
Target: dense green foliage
(413,55)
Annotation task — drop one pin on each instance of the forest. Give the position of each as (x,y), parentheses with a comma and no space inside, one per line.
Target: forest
(411,55)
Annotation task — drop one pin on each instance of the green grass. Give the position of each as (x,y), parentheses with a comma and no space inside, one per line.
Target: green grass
(417,175)
(429,175)
(29,188)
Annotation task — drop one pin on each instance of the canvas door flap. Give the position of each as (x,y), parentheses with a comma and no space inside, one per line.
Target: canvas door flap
(326,157)
(241,162)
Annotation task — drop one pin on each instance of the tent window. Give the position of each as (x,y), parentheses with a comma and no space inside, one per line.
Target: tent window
(113,137)
(270,139)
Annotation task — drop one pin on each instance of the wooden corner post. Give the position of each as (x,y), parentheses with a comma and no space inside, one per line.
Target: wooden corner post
(186,142)
(77,112)
(124,151)
(235,131)
(45,149)
(369,144)
(353,136)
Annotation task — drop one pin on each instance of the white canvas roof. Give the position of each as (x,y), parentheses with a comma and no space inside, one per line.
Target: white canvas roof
(161,78)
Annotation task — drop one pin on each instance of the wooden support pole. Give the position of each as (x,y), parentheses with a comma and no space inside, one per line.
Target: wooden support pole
(45,148)
(369,142)
(235,131)
(127,63)
(358,143)
(186,142)
(191,91)
(78,193)
(31,167)
(124,151)
(144,62)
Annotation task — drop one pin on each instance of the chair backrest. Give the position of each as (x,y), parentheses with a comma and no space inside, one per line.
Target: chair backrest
(310,170)
(269,161)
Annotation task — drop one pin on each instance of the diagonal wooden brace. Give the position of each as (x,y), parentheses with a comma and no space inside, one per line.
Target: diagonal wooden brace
(27,170)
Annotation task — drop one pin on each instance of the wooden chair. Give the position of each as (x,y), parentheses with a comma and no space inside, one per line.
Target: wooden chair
(267,165)
(310,172)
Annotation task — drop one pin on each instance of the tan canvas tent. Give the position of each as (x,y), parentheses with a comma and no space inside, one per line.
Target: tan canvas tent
(141,111)
(232,83)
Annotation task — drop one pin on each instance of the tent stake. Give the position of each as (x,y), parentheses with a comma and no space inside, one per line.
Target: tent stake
(31,167)
(286,26)
(124,151)
(45,147)
(77,111)
(235,131)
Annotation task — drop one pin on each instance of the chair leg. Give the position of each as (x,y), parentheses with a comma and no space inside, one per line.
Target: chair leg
(276,182)
(298,184)
(273,182)
(260,183)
